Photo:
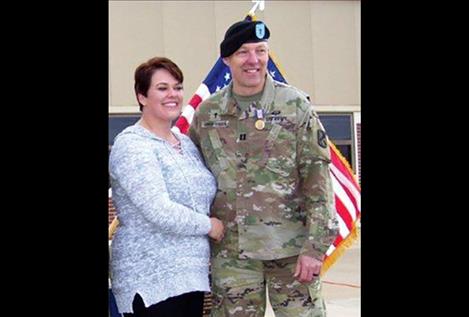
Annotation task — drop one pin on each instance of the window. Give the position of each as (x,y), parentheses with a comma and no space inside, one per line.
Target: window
(340,131)
(117,123)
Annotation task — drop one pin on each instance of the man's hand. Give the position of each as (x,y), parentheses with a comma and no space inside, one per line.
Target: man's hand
(307,268)
(217,231)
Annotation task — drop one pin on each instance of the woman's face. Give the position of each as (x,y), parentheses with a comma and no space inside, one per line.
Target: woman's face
(164,97)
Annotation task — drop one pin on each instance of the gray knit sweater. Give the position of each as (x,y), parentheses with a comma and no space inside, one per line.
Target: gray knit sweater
(162,198)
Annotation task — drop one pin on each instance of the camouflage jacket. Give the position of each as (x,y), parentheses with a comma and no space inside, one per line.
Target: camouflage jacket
(274,188)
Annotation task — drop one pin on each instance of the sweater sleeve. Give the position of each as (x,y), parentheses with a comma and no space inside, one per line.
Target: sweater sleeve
(137,170)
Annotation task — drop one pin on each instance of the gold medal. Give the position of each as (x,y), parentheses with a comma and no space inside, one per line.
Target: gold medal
(259,124)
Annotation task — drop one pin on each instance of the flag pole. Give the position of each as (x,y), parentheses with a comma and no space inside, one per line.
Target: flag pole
(260,4)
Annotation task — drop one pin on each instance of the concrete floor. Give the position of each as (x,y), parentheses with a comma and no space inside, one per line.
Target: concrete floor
(341,285)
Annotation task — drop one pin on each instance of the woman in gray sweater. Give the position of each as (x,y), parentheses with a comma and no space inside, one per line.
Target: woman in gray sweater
(162,192)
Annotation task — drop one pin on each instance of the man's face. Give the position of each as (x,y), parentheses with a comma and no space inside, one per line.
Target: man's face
(248,67)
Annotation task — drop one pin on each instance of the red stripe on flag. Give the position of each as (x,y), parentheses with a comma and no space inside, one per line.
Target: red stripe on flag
(352,199)
(341,167)
(349,194)
(195,101)
(337,241)
(343,213)
(182,124)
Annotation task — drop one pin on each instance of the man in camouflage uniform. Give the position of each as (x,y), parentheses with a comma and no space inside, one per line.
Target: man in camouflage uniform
(269,152)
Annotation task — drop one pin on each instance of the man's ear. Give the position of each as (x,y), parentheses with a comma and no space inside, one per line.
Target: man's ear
(226,61)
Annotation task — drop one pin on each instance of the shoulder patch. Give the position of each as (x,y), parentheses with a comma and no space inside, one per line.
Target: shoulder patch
(322,139)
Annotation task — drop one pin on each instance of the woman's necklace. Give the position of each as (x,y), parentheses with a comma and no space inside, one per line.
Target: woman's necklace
(177,145)
(170,137)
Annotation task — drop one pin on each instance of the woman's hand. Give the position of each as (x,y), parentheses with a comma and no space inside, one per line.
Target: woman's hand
(217,231)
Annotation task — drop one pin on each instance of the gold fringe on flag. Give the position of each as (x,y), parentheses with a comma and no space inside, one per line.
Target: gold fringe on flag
(345,162)
(113,227)
(353,235)
(343,246)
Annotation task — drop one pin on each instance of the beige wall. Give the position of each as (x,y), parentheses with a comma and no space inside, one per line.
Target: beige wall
(316,43)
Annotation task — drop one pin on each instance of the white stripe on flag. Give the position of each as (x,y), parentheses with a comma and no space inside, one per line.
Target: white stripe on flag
(203,92)
(344,198)
(188,113)
(346,182)
(175,129)
(330,250)
(343,230)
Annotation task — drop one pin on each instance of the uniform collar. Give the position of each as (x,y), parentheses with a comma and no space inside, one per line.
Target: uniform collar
(228,104)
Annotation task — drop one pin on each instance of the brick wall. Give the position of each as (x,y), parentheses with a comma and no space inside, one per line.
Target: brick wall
(111,210)
(207,304)
(359,152)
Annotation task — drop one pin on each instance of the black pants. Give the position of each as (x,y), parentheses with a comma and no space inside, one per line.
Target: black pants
(185,305)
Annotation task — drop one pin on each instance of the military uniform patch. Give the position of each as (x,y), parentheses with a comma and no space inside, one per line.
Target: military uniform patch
(216,124)
(322,139)
(276,119)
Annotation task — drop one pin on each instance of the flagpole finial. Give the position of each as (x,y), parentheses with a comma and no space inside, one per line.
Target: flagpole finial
(257,3)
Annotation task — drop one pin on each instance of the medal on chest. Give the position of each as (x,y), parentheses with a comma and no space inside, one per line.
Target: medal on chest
(260,119)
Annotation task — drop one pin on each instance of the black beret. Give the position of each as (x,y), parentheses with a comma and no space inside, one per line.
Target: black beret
(243,32)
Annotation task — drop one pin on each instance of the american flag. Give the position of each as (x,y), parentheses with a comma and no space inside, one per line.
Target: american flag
(346,188)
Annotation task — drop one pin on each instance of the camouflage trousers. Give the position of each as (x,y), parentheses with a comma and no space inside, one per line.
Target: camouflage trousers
(239,289)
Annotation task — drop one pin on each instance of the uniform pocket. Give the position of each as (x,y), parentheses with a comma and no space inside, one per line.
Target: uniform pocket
(280,151)
(219,162)
(210,153)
